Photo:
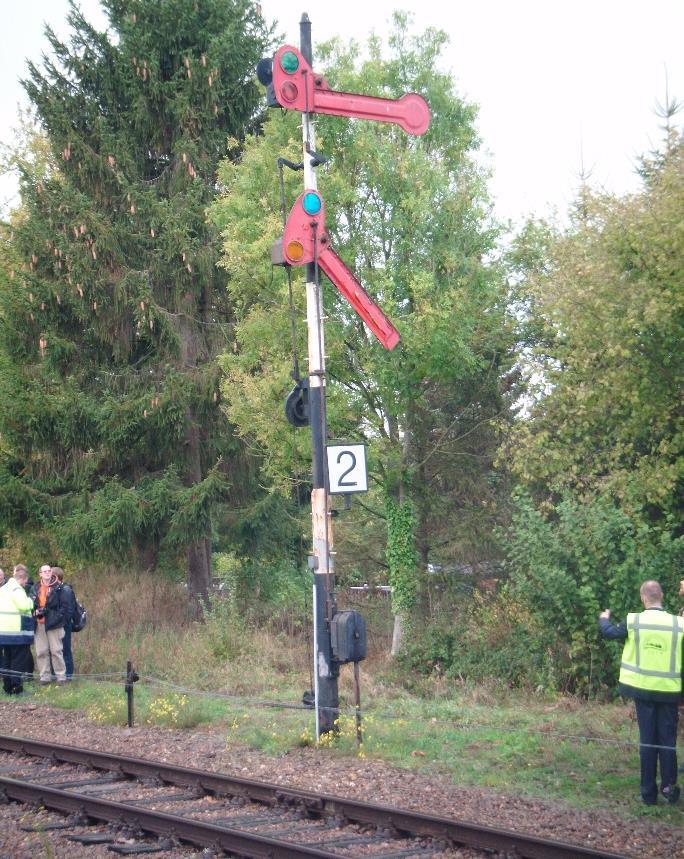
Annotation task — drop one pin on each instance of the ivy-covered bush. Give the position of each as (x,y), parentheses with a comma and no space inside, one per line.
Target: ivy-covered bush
(583,557)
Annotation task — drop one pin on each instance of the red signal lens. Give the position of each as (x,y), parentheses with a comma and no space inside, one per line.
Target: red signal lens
(289,91)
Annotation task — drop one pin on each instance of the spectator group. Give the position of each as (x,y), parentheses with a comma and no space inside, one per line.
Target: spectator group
(40,614)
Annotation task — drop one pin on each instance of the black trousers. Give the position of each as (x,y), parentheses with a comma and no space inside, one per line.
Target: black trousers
(15,660)
(658,738)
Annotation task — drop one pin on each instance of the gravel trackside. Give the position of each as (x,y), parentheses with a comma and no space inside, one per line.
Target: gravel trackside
(316,770)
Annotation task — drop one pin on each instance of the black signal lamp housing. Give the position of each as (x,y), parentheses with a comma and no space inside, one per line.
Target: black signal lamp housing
(297,404)
(264,71)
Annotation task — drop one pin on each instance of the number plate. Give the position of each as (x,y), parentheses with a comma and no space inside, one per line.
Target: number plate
(347,468)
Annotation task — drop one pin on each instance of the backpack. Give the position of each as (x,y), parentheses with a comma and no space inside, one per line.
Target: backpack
(80,617)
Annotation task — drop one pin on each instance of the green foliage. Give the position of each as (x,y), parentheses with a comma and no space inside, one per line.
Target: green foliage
(106,704)
(254,591)
(496,638)
(112,310)
(432,650)
(109,709)
(401,555)
(174,710)
(541,629)
(588,557)
(599,452)
(607,309)
(261,586)
(411,218)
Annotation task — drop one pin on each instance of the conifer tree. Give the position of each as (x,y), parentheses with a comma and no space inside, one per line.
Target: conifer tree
(112,308)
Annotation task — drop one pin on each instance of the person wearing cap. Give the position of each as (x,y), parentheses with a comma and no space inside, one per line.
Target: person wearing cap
(16,631)
(651,674)
(51,608)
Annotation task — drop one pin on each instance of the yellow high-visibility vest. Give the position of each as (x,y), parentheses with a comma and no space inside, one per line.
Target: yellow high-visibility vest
(15,608)
(652,656)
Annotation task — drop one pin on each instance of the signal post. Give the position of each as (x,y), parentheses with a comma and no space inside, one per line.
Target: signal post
(326,671)
(292,84)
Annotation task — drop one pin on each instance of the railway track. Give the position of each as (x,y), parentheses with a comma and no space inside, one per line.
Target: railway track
(240,817)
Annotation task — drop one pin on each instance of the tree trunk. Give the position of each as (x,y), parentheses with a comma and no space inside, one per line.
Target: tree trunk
(396,542)
(199,551)
(398,634)
(150,556)
(198,573)
(402,564)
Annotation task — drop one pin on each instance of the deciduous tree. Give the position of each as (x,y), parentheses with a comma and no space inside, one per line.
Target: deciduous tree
(411,217)
(599,450)
(608,308)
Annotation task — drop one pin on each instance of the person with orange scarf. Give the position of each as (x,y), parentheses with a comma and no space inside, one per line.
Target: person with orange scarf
(50,614)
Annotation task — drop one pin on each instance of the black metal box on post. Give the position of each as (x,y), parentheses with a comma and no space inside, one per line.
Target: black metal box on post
(348,636)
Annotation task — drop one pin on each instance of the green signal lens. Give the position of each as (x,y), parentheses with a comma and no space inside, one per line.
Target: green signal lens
(311,203)
(289,62)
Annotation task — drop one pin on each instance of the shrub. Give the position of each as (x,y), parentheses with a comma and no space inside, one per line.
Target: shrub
(585,556)
(491,637)
(271,591)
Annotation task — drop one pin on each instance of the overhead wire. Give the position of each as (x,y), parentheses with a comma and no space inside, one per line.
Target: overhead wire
(284,162)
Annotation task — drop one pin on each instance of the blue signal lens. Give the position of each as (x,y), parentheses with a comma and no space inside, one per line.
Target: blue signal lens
(311,203)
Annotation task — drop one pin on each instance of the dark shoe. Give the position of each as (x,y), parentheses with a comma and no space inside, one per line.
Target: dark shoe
(650,801)
(672,793)
(45,682)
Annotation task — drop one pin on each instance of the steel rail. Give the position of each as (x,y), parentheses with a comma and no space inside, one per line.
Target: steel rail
(197,832)
(402,821)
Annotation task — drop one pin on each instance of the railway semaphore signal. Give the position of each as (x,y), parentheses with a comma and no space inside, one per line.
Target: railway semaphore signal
(293,85)
(305,240)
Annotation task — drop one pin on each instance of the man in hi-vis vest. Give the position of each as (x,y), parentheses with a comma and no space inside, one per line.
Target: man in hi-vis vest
(651,673)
